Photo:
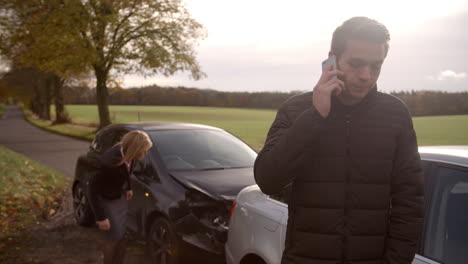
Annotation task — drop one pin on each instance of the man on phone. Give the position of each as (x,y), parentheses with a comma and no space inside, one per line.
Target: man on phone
(349,154)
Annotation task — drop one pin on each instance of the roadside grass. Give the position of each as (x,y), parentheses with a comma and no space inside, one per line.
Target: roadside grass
(80,131)
(29,194)
(251,125)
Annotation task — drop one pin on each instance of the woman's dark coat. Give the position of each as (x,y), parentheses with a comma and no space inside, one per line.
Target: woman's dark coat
(109,181)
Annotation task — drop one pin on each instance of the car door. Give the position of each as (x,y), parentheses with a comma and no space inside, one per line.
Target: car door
(142,177)
(445,236)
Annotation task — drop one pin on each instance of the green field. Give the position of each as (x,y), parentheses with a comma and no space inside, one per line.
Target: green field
(252,124)
(442,130)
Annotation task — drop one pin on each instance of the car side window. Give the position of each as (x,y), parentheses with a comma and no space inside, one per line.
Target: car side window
(446,237)
(426,166)
(427,170)
(107,138)
(144,168)
(117,135)
(139,166)
(102,142)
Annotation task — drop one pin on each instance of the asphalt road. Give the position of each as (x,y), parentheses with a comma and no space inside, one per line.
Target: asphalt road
(54,151)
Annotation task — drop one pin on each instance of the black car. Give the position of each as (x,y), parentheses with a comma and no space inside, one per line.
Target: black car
(182,190)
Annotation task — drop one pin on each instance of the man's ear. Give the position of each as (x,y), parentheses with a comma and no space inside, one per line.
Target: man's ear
(330,53)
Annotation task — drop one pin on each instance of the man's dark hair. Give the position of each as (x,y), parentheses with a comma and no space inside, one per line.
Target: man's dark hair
(359,28)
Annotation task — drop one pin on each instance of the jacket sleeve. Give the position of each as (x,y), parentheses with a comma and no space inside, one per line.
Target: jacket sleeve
(407,204)
(94,202)
(284,144)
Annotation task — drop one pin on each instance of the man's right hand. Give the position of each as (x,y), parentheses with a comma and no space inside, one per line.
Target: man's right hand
(104,224)
(325,88)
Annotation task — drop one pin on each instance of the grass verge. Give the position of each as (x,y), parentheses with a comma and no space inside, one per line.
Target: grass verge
(29,194)
(78,131)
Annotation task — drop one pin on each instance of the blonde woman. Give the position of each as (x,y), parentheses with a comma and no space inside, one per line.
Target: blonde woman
(110,190)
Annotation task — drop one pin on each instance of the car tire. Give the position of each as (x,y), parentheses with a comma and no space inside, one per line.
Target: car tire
(162,243)
(81,209)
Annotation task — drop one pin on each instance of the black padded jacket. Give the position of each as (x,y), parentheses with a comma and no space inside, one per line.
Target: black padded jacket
(356,179)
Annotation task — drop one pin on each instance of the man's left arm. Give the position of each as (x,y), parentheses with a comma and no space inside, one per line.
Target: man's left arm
(407,205)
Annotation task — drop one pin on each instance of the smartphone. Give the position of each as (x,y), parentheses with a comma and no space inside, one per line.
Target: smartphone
(331,60)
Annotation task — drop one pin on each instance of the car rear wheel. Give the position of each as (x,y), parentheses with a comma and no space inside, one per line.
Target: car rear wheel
(163,245)
(81,209)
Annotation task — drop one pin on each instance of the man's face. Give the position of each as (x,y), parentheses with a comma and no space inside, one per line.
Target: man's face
(361,62)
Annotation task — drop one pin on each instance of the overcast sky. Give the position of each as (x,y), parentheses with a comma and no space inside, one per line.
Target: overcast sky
(277,45)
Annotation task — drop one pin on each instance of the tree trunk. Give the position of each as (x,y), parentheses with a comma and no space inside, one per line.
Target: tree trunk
(61,115)
(41,97)
(102,96)
(47,96)
(34,100)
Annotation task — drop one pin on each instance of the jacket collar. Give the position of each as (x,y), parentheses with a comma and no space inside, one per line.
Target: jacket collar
(337,107)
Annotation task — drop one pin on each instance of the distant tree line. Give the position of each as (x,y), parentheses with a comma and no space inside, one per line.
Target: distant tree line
(420,103)
(428,103)
(179,96)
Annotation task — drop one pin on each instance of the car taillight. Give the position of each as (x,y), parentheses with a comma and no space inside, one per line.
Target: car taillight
(231,211)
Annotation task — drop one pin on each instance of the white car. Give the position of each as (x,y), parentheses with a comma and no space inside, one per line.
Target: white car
(258,221)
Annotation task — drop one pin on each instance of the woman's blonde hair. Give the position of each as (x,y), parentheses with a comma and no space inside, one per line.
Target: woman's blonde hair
(133,144)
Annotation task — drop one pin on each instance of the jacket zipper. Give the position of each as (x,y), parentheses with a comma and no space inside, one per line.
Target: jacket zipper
(347,176)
